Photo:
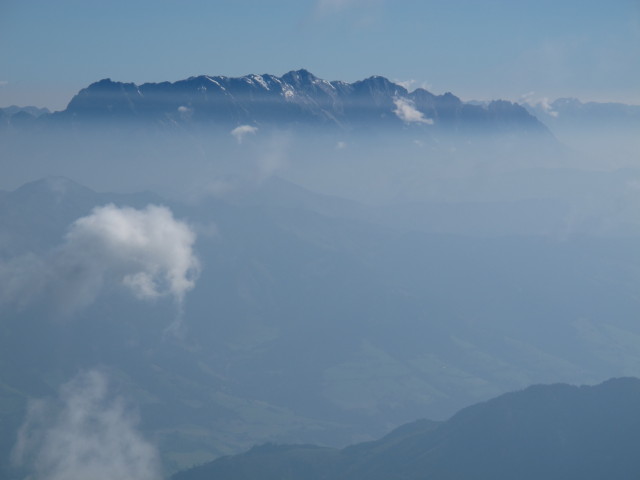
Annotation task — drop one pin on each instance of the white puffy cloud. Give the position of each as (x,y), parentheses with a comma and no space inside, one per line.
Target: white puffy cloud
(407,112)
(242,130)
(85,433)
(146,251)
(274,155)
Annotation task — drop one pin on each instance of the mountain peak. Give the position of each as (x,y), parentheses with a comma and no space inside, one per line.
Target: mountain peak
(299,77)
(107,83)
(381,81)
(301,72)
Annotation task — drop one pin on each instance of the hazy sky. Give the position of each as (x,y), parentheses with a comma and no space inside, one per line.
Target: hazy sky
(476,49)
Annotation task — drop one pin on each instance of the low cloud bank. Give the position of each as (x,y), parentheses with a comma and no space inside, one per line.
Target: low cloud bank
(84,433)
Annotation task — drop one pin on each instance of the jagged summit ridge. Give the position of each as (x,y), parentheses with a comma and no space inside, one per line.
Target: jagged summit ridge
(296,98)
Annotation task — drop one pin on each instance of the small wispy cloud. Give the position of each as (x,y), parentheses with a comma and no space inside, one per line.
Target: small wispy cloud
(546,106)
(406,83)
(331,6)
(243,130)
(542,102)
(84,433)
(324,8)
(185,112)
(3,83)
(527,97)
(407,112)
(22,279)
(412,84)
(274,155)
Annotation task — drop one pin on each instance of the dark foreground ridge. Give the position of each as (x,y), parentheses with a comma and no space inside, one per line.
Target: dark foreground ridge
(552,432)
(297,98)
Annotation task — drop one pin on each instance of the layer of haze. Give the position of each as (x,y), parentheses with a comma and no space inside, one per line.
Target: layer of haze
(331,284)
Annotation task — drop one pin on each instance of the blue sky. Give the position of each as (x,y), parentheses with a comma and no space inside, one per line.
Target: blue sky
(475,49)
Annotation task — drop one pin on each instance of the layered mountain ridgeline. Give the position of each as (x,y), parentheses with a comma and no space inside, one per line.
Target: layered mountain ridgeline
(571,111)
(552,432)
(602,130)
(21,116)
(297,98)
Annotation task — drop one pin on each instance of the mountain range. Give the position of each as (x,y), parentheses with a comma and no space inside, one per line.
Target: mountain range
(300,100)
(546,431)
(297,98)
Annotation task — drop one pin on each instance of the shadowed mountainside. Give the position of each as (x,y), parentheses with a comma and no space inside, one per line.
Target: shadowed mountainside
(554,432)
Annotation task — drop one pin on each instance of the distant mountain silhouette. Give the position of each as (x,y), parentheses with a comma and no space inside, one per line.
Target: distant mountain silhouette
(564,112)
(20,116)
(551,432)
(298,98)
